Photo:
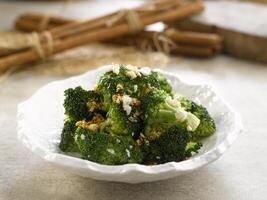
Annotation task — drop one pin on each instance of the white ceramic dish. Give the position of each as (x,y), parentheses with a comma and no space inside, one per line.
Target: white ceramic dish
(40,121)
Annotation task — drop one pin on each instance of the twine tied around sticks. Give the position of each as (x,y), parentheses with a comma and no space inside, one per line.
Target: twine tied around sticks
(162,43)
(36,43)
(35,38)
(131,17)
(158,42)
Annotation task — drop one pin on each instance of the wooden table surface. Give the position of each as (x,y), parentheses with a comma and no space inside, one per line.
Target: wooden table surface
(241,173)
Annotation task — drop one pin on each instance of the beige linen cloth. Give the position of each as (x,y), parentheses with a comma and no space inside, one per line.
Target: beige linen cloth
(79,60)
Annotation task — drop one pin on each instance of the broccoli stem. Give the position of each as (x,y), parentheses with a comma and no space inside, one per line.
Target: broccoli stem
(165,115)
(166,106)
(105,125)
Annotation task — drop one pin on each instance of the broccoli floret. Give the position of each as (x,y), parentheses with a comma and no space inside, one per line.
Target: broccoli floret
(207,125)
(132,116)
(94,124)
(128,81)
(192,148)
(160,82)
(118,123)
(107,86)
(169,146)
(107,149)
(162,111)
(67,143)
(158,114)
(79,104)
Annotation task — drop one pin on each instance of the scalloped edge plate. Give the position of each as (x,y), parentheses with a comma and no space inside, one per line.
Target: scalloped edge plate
(40,132)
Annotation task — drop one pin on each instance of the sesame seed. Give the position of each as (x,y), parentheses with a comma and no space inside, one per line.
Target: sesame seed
(128,153)
(135,88)
(126,101)
(117,140)
(131,74)
(82,136)
(76,137)
(145,71)
(111,151)
(116,69)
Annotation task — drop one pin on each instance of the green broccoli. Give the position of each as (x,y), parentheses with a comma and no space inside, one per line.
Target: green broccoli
(162,111)
(158,81)
(132,116)
(107,149)
(169,146)
(192,148)
(67,143)
(118,123)
(79,104)
(207,124)
(128,80)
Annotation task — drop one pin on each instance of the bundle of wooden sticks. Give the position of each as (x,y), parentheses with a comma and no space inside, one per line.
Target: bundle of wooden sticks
(170,41)
(56,34)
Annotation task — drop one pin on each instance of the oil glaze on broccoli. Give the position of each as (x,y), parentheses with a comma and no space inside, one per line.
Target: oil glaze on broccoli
(133,116)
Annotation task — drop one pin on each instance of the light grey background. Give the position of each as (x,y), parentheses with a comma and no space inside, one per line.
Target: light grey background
(241,173)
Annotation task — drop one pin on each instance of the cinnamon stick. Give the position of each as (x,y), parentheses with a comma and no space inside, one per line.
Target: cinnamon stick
(182,37)
(198,39)
(194,51)
(189,43)
(149,17)
(145,41)
(86,35)
(5,52)
(189,25)
(31,21)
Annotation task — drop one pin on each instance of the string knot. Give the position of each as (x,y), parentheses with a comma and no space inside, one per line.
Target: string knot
(132,18)
(162,43)
(35,41)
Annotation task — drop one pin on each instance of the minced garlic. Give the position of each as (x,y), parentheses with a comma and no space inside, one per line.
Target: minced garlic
(126,104)
(145,71)
(119,87)
(131,74)
(116,69)
(82,136)
(111,151)
(93,127)
(116,98)
(135,88)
